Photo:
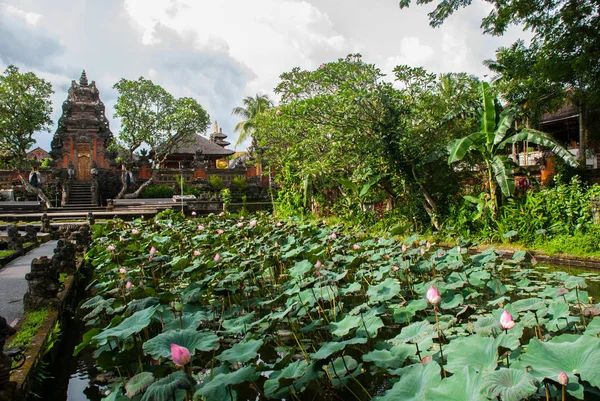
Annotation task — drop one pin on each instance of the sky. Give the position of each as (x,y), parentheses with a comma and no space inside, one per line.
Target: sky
(219,52)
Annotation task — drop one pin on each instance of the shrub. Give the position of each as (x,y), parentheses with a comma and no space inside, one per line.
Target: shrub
(216,182)
(158,191)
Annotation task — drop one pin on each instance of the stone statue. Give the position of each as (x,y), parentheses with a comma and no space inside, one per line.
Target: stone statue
(5,362)
(14,241)
(46,228)
(43,284)
(31,234)
(64,257)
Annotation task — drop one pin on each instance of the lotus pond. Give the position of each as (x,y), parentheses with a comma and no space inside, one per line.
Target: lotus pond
(262,309)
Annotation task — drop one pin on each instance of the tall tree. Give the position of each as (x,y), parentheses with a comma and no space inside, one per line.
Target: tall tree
(151,117)
(25,108)
(252,107)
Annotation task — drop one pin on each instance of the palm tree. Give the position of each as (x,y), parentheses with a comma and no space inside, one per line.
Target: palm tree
(253,106)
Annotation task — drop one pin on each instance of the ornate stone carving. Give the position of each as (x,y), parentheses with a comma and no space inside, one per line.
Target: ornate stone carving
(46,228)
(5,362)
(14,241)
(64,257)
(31,234)
(43,284)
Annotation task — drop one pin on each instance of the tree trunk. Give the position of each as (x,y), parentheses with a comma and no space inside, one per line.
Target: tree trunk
(429,204)
(138,192)
(38,191)
(125,187)
(581,135)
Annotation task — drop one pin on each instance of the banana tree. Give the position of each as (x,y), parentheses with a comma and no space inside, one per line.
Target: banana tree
(491,142)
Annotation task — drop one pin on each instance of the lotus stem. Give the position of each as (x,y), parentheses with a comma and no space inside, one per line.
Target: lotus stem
(338,377)
(437,323)
(364,325)
(418,352)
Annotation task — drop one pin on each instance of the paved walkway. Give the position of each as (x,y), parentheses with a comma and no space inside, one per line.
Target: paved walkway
(13,285)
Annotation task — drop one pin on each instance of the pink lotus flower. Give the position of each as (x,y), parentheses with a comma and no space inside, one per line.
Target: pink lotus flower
(219,232)
(180,355)
(122,270)
(333,236)
(217,257)
(459,249)
(276,245)
(153,251)
(129,285)
(428,245)
(403,247)
(121,239)
(395,268)
(318,265)
(278,112)
(193,213)
(200,227)
(134,231)
(422,251)
(356,246)
(110,248)
(252,223)
(240,224)
(563,379)
(170,225)
(433,296)
(196,252)
(222,214)
(279,224)
(506,320)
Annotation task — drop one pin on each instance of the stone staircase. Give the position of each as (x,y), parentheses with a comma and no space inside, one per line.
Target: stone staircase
(80,196)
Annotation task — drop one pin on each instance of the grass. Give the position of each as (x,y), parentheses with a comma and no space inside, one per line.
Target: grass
(31,324)
(6,253)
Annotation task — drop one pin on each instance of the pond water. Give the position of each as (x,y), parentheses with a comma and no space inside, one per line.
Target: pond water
(72,376)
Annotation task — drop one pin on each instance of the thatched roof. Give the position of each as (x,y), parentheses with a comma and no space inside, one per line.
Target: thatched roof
(207,147)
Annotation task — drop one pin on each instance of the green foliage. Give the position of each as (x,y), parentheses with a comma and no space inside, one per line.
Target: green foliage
(226,196)
(240,183)
(253,106)
(158,191)
(216,182)
(31,323)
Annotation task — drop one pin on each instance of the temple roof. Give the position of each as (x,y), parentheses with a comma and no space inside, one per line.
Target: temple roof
(218,136)
(208,148)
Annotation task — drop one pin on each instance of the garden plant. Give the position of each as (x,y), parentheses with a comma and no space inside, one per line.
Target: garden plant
(226,308)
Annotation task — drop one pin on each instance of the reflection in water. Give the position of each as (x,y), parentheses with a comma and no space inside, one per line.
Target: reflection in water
(79,387)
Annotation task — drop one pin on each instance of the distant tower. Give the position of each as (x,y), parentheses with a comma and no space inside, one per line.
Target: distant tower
(83,132)
(218,136)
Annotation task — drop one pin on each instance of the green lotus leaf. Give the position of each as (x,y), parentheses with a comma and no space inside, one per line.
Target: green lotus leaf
(487,326)
(390,359)
(332,347)
(300,269)
(241,352)
(452,301)
(414,383)
(593,328)
(188,321)
(371,322)
(139,383)
(342,366)
(558,317)
(406,313)
(575,282)
(344,326)
(414,333)
(464,385)
(160,346)
(509,384)
(161,240)
(239,325)
(164,388)
(508,340)
(384,291)
(519,256)
(496,286)
(278,383)
(479,352)
(568,353)
(218,388)
(478,278)
(527,304)
(352,288)
(128,326)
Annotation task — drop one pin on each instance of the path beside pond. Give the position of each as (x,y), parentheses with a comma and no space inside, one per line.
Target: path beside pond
(13,285)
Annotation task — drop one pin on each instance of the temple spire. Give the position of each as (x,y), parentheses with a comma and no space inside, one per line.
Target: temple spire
(83,80)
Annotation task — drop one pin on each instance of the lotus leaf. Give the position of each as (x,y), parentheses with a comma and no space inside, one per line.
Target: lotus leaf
(239,325)
(241,352)
(509,384)
(575,282)
(558,317)
(160,346)
(218,389)
(390,359)
(406,313)
(566,353)
(384,291)
(496,286)
(371,323)
(139,383)
(452,301)
(277,384)
(332,347)
(479,352)
(527,304)
(487,326)
(300,269)
(344,326)
(128,326)
(593,328)
(414,333)
(342,366)
(413,384)
(464,385)
(164,388)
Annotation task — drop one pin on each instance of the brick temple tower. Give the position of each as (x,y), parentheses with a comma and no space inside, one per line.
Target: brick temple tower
(83,134)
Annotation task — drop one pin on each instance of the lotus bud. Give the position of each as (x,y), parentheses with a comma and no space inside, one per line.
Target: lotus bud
(356,246)
(129,285)
(178,306)
(395,268)
(278,224)
(563,379)
(333,236)
(221,214)
(252,223)
(276,245)
(153,251)
(170,225)
(240,224)
(241,217)
(219,232)
(121,239)
(428,245)
(403,247)
(193,213)
(278,112)
(318,265)
(200,227)
(422,251)
(180,355)
(506,320)
(433,296)
(459,249)
(217,257)
(110,248)
(196,252)
(134,231)
(122,270)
